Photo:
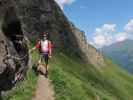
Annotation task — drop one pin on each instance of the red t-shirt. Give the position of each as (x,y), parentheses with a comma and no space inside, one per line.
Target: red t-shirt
(38,45)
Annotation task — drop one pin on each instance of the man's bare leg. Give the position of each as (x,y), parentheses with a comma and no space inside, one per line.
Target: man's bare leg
(46,69)
(38,64)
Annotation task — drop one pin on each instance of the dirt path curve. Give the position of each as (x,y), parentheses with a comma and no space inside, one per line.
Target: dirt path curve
(44,90)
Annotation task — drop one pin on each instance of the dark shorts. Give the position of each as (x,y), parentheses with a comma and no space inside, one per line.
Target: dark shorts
(45,58)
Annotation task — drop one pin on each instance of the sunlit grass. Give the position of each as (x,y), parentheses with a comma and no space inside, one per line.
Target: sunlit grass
(73,80)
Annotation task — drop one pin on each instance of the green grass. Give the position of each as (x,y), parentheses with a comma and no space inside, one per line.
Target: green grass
(74,80)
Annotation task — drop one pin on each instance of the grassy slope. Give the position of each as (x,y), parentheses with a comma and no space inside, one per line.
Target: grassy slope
(73,80)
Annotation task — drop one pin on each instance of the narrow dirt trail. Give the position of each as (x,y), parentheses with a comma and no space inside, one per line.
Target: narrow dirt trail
(44,89)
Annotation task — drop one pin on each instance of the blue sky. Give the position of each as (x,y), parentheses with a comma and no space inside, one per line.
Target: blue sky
(101,19)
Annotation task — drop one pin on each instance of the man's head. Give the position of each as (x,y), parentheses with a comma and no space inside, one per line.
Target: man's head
(44,36)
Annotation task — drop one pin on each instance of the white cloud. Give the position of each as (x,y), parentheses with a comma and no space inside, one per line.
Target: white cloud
(107,34)
(106,29)
(109,27)
(64,2)
(129,27)
(99,40)
(83,7)
(104,35)
(121,36)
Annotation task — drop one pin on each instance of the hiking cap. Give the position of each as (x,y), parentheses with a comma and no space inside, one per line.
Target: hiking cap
(44,34)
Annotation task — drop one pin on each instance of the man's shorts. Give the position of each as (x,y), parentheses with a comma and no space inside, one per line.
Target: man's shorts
(45,58)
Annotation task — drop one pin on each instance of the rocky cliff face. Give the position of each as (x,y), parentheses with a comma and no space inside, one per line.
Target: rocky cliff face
(13,49)
(87,51)
(28,18)
(45,15)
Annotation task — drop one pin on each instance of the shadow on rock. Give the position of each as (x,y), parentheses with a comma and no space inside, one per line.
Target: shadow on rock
(6,80)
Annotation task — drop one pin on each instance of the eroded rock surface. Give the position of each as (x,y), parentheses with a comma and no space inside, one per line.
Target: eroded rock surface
(13,49)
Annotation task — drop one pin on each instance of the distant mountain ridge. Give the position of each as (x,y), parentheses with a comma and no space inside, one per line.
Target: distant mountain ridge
(121,53)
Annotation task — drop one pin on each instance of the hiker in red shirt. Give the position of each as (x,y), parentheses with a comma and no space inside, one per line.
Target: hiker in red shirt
(45,47)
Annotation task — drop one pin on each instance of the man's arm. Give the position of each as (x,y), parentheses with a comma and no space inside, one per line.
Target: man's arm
(31,50)
(37,46)
(50,53)
(50,49)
